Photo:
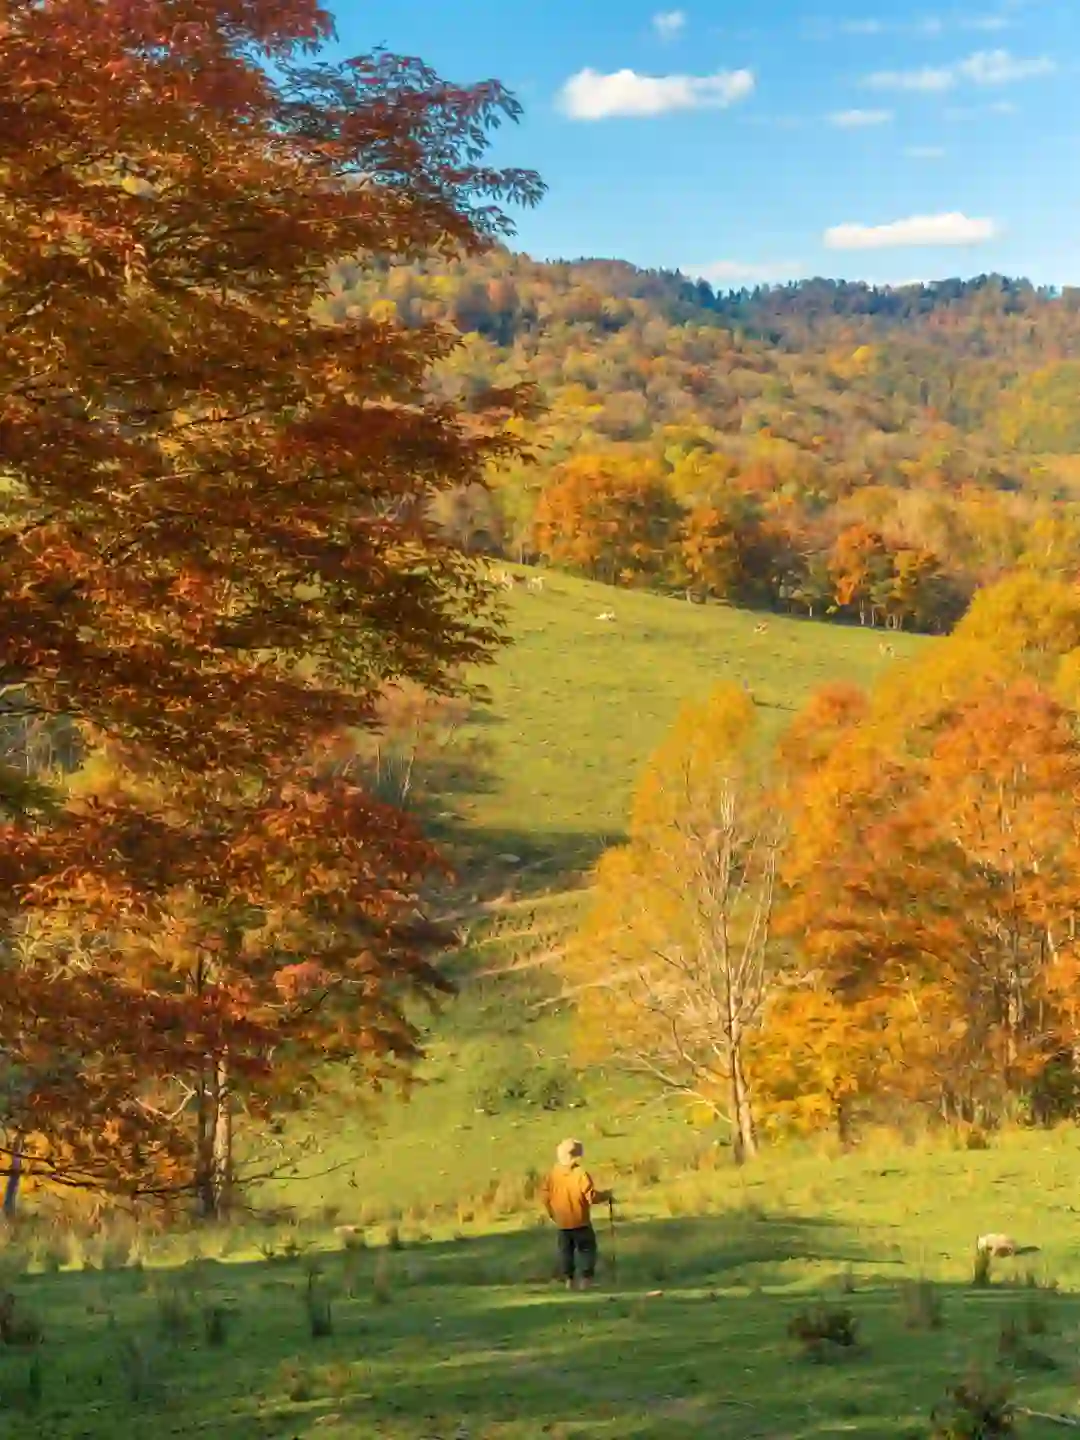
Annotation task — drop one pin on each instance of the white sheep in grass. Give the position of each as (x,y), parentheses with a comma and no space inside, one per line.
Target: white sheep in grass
(997,1245)
(606,615)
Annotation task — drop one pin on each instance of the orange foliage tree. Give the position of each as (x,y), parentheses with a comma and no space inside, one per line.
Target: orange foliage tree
(861,568)
(711,552)
(216,549)
(937,882)
(609,516)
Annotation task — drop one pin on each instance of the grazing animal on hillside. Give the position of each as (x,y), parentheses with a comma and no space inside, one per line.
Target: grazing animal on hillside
(761,628)
(535,583)
(886,649)
(997,1245)
(506,580)
(606,615)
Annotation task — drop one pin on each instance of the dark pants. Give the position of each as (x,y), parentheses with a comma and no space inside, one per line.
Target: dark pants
(574,1246)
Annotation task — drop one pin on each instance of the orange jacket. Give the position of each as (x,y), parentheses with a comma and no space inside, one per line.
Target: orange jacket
(568,1194)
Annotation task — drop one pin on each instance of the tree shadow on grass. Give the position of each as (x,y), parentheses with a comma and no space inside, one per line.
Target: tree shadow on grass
(528,861)
(698,1251)
(466,1333)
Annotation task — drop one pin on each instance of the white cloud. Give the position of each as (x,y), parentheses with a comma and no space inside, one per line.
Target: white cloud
(928,77)
(856,119)
(998,67)
(950,229)
(738,272)
(588,95)
(925,152)
(985,67)
(669,23)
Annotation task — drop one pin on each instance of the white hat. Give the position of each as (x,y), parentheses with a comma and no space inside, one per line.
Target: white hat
(569,1151)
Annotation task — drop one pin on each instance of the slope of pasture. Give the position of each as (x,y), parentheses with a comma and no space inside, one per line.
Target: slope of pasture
(577,703)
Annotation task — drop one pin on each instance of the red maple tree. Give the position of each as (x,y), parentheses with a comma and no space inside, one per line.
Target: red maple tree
(214,554)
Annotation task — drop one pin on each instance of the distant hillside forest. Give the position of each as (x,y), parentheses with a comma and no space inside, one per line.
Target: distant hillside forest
(823,448)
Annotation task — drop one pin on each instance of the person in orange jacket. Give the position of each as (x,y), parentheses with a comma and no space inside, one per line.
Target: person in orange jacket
(568,1195)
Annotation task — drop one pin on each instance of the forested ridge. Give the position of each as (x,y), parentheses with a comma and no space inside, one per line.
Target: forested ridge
(825,447)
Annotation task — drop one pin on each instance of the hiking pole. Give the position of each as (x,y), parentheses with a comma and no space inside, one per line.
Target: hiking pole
(611,1229)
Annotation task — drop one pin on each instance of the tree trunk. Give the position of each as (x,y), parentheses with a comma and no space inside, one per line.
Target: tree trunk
(11,1189)
(742,1110)
(842,1117)
(214,1160)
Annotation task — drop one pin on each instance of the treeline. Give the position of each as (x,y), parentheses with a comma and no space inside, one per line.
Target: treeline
(873,916)
(824,447)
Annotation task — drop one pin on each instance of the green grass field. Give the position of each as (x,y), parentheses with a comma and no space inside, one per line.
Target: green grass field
(460,1333)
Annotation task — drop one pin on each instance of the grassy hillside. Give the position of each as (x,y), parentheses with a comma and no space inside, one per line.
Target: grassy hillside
(576,706)
(578,703)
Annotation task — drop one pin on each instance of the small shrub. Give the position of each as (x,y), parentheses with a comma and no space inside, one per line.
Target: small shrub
(35,1382)
(136,1363)
(173,1315)
(1013,1349)
(339,1379)
(382,1291)
(922,1306)
(825,1331)
(974,1409)
(216,1325)
(298,1381)
(319,1308)
(1036,1319)
(17,1328)
(533,1086)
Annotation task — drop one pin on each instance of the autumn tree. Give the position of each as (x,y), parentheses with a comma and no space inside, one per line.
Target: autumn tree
(676,959)
(937,881)
(822,1060)
(217,550)
(608,516)
(861,568)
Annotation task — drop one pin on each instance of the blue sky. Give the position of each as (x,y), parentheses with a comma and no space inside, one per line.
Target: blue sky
(778,139)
